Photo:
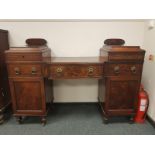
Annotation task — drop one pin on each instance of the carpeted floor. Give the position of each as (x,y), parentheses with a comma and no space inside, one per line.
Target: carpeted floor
(75,119)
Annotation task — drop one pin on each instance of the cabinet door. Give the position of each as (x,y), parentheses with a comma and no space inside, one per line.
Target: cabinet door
(122,94)
(28,96)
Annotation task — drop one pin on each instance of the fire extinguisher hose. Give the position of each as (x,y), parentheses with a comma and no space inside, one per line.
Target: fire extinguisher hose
(147,104)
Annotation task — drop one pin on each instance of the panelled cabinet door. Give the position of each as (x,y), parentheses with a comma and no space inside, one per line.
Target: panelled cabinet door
(28,95)
(122,94)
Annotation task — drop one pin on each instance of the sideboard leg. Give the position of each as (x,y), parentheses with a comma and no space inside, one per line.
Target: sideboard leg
(105,120)
(131,119)
(19,119)
(43,120)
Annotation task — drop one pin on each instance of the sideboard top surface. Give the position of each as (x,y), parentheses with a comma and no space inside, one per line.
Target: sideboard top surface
(27,49)
(74,60)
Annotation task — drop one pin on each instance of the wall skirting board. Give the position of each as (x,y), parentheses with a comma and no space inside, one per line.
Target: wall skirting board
(151,121)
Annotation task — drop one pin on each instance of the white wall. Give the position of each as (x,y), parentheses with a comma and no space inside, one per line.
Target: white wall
(148,78)
(71,39)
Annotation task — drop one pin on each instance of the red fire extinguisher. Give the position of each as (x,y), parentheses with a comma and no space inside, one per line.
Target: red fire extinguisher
(143,103)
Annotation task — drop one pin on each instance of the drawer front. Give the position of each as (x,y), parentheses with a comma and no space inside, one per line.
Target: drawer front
(75,71)
(127,56)
(122,69)
(23,57)
(18,70)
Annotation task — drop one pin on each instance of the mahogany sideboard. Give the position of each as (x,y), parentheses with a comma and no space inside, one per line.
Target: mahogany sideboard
(5,98)
(32,69)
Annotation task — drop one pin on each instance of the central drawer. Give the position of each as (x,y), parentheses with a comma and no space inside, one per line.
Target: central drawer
(69,71)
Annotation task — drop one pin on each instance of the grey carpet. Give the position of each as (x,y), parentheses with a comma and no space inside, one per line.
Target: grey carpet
(75,119)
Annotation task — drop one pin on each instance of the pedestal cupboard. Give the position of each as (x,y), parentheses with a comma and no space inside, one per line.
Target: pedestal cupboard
(122,72)
(27,82)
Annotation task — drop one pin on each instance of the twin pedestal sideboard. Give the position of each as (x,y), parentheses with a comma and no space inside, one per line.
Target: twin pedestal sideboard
(27,74)
(32,69)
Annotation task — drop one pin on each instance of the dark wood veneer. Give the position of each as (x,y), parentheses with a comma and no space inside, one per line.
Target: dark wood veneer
(25,69)
(28,96)
(118,68)
(122,72)
(75,71)
(27,83)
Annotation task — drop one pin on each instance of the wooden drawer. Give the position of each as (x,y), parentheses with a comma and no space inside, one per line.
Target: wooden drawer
(19,69)
(126,56)
(23,56)
(118,69)
(67,71)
